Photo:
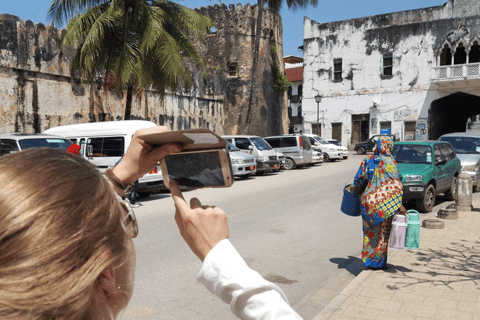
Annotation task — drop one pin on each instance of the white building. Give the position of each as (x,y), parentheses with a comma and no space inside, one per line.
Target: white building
(415,74)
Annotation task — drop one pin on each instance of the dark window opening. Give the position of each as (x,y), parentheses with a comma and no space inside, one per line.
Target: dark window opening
(300,90)
(460,55)
(446,57)
(474,54)
(232,70)
(337,69)
(289,91)
(410,130)
(387,65)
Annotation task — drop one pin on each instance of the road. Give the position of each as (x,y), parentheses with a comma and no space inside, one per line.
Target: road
(288,226)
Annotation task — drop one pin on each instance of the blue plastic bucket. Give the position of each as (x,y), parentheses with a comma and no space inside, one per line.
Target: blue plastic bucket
(350,203)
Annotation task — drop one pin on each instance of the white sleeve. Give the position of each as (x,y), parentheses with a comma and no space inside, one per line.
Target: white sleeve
(225,274)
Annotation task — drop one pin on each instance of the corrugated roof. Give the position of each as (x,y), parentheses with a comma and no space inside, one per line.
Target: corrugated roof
(294,74)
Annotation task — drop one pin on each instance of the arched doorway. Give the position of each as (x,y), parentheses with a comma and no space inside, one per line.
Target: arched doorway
(451,114)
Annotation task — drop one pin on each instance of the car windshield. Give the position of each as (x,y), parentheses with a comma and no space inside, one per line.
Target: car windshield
(59,143)
(411,153)
(231,147)
(464,145)
(335,142)
(322,141)
(260,144)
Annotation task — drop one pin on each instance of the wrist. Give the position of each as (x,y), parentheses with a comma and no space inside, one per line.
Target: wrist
(125,175)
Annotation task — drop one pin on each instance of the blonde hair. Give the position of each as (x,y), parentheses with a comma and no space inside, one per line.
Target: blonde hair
(60,227)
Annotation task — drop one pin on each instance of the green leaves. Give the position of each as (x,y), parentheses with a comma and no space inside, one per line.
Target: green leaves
(137,43)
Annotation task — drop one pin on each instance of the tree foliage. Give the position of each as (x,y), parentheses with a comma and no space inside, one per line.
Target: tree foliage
(130,43)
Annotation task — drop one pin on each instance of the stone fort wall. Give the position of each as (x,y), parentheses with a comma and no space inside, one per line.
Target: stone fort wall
(37,92)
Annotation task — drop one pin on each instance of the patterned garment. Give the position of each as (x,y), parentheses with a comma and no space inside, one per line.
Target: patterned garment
(380,201)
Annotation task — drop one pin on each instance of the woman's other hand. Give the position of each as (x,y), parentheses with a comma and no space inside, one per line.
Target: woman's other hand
(202,227)
(141,157)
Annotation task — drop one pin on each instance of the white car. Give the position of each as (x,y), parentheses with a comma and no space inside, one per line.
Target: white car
(330,151)
(243,164)
(342,147)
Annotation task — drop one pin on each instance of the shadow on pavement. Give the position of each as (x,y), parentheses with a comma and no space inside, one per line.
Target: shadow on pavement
(353,265)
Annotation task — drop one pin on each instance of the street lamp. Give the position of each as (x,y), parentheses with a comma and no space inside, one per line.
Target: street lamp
(318,99)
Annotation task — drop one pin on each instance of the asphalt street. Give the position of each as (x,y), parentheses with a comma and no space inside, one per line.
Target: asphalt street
(288,226)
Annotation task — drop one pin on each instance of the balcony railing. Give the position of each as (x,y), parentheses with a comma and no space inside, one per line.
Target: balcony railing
(295,99)
(458,71)
(296,120)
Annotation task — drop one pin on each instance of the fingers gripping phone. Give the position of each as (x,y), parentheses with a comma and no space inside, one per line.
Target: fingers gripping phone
(198,169)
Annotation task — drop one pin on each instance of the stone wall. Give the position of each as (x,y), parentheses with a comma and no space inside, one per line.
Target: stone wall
(36,90)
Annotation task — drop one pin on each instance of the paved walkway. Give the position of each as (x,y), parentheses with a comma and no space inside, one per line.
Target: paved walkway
(441,280)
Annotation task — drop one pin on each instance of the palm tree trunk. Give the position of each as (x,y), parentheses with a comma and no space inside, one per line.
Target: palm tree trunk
(128,104)
(258,36)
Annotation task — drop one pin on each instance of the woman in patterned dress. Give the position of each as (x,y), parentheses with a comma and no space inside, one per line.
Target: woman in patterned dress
(380,201)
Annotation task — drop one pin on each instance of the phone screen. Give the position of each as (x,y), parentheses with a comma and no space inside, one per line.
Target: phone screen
(195,170)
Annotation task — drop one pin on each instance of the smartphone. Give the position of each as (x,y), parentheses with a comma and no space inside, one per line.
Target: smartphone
(198,169)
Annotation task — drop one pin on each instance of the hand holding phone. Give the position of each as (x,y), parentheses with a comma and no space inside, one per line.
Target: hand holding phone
(202,227)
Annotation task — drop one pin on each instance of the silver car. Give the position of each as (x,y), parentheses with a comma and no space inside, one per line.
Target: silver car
(243,164)
(467,148)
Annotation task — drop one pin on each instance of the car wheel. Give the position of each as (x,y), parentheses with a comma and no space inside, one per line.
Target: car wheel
(289,164)
(361,150)
(428,202)
(450,193)
(326,158)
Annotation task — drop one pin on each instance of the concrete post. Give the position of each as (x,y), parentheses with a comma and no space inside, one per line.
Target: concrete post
(464,192)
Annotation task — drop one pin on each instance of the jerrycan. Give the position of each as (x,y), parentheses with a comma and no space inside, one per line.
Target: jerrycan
(398,233)
(412,238)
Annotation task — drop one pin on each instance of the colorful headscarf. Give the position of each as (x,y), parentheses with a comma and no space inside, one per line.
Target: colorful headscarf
(383,195)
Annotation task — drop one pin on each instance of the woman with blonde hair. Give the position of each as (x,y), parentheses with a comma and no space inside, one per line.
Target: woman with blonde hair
(66,250)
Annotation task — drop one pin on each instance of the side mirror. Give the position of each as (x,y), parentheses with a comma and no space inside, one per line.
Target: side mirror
(90,151)
(250,147)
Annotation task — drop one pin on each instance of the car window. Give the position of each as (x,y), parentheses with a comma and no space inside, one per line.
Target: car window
(406,153)
(260,144)
(334,142)
(464,145)
(274,142)
(306,143)
(437,153)
(289,142)
(8,146)
(58,143)
(107,147)
(242,143)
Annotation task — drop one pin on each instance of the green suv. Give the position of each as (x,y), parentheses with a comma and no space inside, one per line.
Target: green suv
(428,168)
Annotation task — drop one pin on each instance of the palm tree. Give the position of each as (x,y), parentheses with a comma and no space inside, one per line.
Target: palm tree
(274,5)
(131,44)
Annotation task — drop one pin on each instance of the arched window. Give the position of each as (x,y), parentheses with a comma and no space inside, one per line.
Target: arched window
(446,57)
(300,90)
(474,54)
(460,55)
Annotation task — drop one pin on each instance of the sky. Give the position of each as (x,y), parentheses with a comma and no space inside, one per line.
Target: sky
(325,11)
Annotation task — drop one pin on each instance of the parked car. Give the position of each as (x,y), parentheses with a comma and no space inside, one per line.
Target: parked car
(366,146)
(266,157)
(344,149)
(428,168)
(296,148)
(15,142)
(243,164)
(330,151)
(104,143)
(467,148)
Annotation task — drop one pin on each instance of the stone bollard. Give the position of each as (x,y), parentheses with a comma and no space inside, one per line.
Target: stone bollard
(450,212)
(464,192)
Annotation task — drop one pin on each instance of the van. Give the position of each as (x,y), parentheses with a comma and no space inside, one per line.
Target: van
(296,148)
(15,142)
(266,157)
(104,143)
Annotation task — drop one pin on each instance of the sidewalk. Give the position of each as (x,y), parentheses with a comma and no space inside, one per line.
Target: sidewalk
(441,280)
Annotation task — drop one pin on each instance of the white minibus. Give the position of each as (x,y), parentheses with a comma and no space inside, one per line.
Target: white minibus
(104,143)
